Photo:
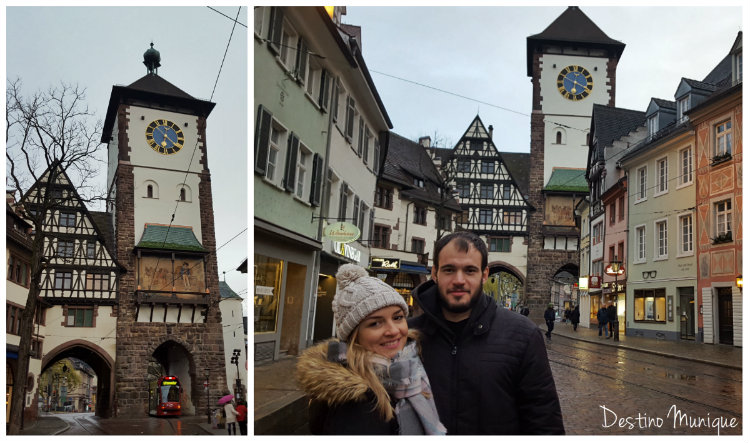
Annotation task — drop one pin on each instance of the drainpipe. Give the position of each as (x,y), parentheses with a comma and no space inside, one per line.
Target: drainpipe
(324,201)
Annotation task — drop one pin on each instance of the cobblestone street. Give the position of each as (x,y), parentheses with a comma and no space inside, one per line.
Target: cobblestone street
(610,391)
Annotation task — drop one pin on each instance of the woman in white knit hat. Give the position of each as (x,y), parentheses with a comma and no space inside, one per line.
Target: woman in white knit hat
(370,380)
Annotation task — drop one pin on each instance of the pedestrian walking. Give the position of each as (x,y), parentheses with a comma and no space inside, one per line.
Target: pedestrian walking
(242,416)
(603,318)
(611,318)
(370,380)
(575,317)
(231,418)
(549,318)
(488,365)
(566,316)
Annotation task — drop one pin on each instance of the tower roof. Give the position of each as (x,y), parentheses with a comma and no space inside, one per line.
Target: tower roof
(572,27)
(152,91)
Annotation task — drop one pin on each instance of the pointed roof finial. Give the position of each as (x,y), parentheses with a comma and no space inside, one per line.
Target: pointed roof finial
(151,59)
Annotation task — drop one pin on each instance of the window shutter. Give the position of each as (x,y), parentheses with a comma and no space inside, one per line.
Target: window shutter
(291,162)
(376,157)
(342,201)
(317,180)
(349,117)
(325,85)
(301,61)
(262,135)
(335,100)
(370,230)
(355,211)
(274,32)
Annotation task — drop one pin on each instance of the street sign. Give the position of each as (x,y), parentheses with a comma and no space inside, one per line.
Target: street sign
(343,232)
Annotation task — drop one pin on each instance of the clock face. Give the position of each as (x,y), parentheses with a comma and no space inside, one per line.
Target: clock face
(164,137)
(575,83)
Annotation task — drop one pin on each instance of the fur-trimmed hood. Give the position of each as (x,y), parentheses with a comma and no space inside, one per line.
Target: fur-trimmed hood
(329,381)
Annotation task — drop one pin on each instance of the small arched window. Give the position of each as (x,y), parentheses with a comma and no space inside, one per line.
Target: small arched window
(150,191)
(182,195)
(558,138)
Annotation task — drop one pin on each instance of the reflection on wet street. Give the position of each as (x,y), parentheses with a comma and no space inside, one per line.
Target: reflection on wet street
(614,391)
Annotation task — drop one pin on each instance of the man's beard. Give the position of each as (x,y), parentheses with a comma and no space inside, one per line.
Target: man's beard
(462,308)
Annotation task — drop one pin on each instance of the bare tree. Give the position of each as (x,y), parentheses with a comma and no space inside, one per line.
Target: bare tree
(51,131)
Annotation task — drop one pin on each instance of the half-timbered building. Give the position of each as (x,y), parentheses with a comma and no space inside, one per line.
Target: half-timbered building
(492,189)
(79,280)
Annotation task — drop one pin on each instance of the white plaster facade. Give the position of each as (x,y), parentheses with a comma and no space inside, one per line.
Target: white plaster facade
(573,118)
(166,172)
(234,338)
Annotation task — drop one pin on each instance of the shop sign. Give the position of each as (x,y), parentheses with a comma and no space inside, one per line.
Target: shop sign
(264,290)
(583,283)
(385,263)
(347,251)
(341,232)
(595,281)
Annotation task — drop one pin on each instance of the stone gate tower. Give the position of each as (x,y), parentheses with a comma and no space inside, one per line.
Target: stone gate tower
(168,318)
(572,65)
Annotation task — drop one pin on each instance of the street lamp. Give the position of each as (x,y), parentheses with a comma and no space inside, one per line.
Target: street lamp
(236,361)
(615,268)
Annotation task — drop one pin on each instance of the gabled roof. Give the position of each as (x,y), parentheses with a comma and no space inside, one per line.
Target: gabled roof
(155,92)
(608,124)
(519,166)
(573,26)
(173,238)
(226,292)
(103,230)
(103,223)
(406,160)
(568,180)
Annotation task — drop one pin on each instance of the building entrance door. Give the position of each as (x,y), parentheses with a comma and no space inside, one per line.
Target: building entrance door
(726,334)
(687,314)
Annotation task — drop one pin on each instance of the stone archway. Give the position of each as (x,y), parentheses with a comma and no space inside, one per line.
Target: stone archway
(99,360)
(176,359)
(505,284)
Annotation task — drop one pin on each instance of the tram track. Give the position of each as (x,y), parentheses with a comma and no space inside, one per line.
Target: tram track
(625,376)
(647,358)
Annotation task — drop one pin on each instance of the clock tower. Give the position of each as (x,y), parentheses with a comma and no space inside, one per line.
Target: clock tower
(572,65)
(159,192)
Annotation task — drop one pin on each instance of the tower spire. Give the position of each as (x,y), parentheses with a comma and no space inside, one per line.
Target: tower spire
(151,59)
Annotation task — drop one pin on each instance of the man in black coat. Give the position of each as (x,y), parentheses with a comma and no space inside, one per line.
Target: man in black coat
(488,366)
(612,318)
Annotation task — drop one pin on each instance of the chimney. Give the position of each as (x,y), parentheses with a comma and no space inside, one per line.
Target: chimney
(425,141)
(491,129)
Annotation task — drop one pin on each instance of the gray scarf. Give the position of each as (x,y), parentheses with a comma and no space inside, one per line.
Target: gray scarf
(406,381)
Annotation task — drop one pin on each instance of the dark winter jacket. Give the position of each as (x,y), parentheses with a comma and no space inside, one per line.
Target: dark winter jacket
(549,314)
(575,316)
(602,315)
(492,379)
(341,401)
(611,313)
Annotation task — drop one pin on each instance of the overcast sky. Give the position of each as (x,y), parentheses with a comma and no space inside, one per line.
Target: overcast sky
(480,53)
(97,48)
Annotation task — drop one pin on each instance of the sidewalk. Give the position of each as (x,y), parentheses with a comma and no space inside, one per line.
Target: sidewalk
(280,407)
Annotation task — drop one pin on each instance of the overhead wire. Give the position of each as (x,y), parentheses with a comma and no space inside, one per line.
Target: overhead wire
(195,148)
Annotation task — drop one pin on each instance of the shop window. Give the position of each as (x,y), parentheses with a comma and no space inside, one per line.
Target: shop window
(268,272)
(650,305)
(402,280)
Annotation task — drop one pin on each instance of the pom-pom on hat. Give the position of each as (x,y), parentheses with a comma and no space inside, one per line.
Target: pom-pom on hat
(359,295)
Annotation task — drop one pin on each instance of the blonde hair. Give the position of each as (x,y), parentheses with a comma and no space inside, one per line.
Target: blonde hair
(358,360)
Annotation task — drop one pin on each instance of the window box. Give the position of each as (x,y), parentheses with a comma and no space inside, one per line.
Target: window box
(722,238)
(721,158)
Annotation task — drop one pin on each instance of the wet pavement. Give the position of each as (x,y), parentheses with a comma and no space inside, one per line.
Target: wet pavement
(599,381)
(88,424)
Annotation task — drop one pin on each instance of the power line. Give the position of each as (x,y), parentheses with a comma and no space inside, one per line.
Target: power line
(230,18)
(195,148)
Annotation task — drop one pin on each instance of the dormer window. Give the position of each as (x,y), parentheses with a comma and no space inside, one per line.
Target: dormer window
(682,107)
(653,125)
